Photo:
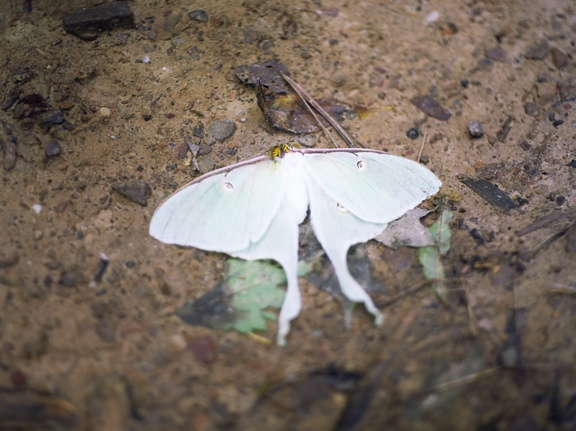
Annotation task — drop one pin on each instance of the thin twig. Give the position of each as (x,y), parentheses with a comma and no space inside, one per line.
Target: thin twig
(543,221)
(309,99)
(465,380)
(548,241)
(302,94)
(418,287)
(421,147)
(559,288)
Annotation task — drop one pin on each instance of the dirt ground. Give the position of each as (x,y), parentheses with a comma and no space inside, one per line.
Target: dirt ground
(82,115)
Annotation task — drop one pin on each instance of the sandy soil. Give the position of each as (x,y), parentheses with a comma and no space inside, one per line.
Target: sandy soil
(107,355)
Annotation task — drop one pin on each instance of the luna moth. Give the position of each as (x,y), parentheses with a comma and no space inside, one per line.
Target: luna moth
(252,210)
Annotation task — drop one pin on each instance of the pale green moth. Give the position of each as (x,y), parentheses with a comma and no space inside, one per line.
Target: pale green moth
(252,210)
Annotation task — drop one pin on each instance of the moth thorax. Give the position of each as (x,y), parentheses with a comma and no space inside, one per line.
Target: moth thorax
(278,151)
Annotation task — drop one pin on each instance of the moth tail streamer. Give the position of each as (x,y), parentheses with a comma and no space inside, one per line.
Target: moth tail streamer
(290,307)
(349,286)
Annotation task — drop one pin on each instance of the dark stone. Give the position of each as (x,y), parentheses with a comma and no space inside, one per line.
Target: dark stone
(88,23)
(475,129)
(431,107)
(198,15)
(198,131)
(71,278)
(412,133)
(497,54)
(54,117)
(531,109)
(538,51)
(52,149)
(106,329)
(559,59)
(220,130)
(134,190)
(8,260)
(9,150)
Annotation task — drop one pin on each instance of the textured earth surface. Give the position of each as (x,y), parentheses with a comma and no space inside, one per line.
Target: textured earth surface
(94,135)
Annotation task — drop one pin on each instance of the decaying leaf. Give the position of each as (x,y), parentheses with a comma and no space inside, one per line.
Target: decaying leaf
(282,106)
(285,110)
(268,74)
(407,231)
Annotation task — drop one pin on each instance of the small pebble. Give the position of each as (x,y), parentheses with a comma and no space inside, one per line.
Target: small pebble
(559,59)
(220,130)
(182,150)
(54,117)
(204,348)
(531,109)
(538,51)
(412,133)
(52,149)
(9,259)
(136,191)
(105,112)
(198,131)
(497,54)
(70,278)
(475,129)
(9,150)
(198,15)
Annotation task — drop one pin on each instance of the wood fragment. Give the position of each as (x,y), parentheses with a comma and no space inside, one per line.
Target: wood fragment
(490,193)
(505,129)
(543,244)
(9,150)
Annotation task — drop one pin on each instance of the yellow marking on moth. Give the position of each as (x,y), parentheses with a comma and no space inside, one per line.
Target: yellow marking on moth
(278,151)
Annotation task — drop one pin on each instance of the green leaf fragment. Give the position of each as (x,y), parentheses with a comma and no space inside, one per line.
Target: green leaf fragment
(440,231)
(431,257)
(255,286)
